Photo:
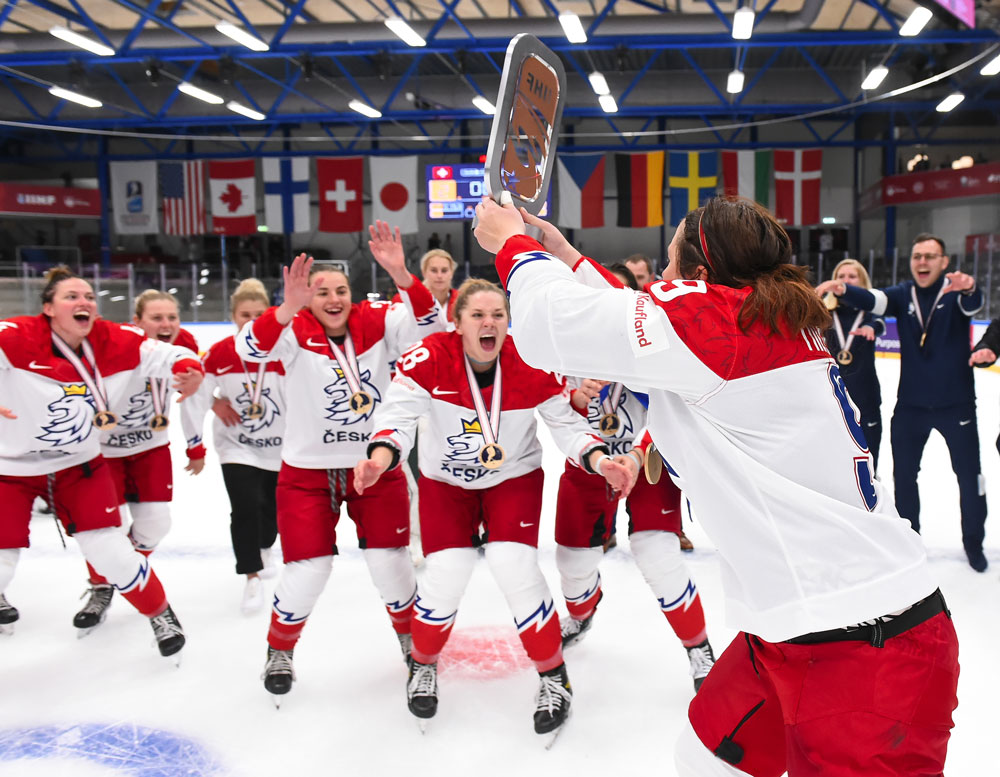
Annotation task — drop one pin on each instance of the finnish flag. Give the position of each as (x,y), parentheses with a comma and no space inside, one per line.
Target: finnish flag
(286,194)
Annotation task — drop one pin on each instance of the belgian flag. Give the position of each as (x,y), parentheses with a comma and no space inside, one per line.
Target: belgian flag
(640,189)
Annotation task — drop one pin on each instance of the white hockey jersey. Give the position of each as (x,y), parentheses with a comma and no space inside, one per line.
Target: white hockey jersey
(630,412)
(757,430)
(431,383)
(132,402)
(55,411)
(255,442)
(322,431)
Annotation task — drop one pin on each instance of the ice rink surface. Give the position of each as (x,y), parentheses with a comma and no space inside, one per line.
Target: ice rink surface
(108,705)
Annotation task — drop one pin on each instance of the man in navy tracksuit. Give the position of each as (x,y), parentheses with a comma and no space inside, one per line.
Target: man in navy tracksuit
(936,390)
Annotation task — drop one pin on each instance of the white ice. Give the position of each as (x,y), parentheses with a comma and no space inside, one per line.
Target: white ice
(63,698)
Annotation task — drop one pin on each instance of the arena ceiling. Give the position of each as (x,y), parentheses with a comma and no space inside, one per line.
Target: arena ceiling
(666,63)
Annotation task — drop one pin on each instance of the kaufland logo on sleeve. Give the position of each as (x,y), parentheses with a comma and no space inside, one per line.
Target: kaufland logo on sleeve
(646,333)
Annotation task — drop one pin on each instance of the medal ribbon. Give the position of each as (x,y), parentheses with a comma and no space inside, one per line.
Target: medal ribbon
(610,403)
(348,363)
(95,381)
(920,316)
(490,424)
(159,389)
(254,389)
(846,345)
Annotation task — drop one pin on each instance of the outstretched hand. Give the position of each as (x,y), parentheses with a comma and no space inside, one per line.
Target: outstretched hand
(298,291)
(982,356)
(497,223)
(553,240)
(366,474)
(619,474)
(387,248)
(831,287)
(7,413)
(866,332)
(959,281)
(187,382)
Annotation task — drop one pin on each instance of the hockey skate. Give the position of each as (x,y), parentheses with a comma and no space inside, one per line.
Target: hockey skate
(702,660)
(573,630)
(168,633)
(421,692)
(405,645)
(95,610)
(552,703)
(8,616)
(278,673)
(253,596)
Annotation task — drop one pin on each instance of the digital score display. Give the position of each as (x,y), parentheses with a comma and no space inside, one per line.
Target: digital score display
(454,191)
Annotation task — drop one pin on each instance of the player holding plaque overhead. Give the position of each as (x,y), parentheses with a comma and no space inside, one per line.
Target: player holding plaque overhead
(480,463)
(336,356)
(851,340)
(58,371)
(136,447)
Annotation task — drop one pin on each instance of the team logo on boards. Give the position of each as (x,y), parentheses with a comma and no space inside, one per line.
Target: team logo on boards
(70,417)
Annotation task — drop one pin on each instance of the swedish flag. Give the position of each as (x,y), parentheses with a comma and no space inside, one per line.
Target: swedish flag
(694,177)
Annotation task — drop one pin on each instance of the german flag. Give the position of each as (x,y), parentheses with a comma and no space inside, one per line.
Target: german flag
(640,189)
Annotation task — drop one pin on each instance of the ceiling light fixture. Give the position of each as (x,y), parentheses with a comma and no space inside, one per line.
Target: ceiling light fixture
(484,105)
(598,83)
(404,31)
(364,109)
(79,99)
(250,113)
(608,103)
(241,36)
(916,22)
(743,21)
(573,28)
(734,83)
(81,41)
(950,102)
(875,77)
(193,91)
(992,67)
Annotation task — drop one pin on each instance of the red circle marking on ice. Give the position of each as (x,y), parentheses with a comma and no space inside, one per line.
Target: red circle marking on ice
(484,652)
(394,196)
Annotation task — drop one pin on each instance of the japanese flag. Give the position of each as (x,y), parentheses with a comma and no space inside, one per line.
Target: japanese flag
(394,191)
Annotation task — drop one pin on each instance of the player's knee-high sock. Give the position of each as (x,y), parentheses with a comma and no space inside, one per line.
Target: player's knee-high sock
(581,582)
(658,555)
(126,569)
(446,574)
(515,568)
(8,563)
(391,571)
(95,577)
(300,586)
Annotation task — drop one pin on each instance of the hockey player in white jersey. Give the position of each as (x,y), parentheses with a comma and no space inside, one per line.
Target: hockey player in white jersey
(847,660)
(137,449)
(480,465)
(58,374)
(336,357)
(248,401)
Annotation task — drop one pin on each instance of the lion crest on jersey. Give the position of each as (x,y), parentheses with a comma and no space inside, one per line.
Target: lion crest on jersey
(339,398)
(268,405)
(140,409)
(595,412)
(465,446)
(70,417)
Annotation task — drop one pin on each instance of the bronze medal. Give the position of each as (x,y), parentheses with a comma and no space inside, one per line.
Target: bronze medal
(361,402)
(610,424)
(844,357)
(491,455)
(653,465)
(256,410)
(159,422)
(105,420)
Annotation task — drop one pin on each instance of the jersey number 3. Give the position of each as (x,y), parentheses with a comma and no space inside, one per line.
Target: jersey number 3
(862,464)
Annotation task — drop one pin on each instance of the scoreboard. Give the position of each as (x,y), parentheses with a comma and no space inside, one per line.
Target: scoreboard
(454,191)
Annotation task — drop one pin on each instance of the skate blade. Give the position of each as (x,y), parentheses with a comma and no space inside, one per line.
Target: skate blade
(81,633)
(423,724)
(6,630)
(552,736)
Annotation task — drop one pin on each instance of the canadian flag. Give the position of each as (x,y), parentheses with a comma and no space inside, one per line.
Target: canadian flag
(394,191)
(340,203)
(797,175)
(232,185)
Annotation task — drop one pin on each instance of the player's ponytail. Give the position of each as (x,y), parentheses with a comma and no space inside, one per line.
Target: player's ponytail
(53,277)
(249,290)
(740,244)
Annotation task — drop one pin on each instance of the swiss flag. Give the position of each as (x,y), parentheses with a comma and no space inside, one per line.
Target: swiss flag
(340,201)
(797,175)
(232,185)
(394,191)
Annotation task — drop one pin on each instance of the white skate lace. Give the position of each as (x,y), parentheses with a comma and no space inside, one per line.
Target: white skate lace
(100,598)
(165,626)
(279,662)
(424,680)
(702,660)
(552,695)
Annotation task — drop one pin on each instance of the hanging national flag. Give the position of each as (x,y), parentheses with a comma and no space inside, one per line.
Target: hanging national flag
(797,175)
(747,174)
(133,198)
(232,185)
(640,189)
(394,191)
(182,185)
(340,204)
(581,190)
(286,194)
(694,177)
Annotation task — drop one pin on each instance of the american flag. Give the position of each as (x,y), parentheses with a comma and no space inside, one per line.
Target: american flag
(182,185)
